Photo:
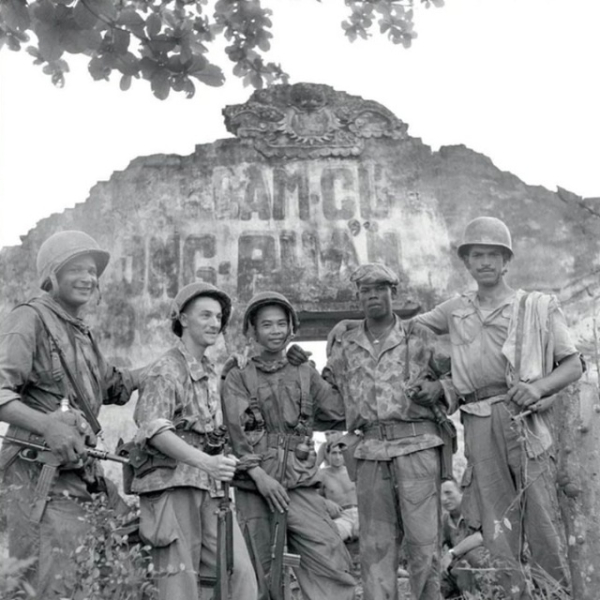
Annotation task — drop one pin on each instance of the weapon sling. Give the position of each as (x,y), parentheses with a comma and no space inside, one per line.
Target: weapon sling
(80,398)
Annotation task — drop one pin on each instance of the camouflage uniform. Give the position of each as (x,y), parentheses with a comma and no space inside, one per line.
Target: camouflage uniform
(31,371)
(178,505)
(399,443)
(500,466)
(325,564)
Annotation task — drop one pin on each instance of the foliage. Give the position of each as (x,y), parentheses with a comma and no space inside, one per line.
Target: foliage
(108,564)
(167,42)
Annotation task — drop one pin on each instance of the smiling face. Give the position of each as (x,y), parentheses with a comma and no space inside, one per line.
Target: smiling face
(77,280)
(486,264)
(376,299)
(201,321)
(272,327)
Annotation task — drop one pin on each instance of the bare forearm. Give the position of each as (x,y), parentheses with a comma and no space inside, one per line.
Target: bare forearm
(568,371)
(19,414)
(472,541)
(172,445)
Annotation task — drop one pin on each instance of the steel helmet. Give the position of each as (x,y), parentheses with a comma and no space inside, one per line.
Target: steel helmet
(485,231)
(263,299)
(60,248)
(193,290)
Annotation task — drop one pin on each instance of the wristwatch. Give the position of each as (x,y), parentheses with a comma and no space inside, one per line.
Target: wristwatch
(452,553)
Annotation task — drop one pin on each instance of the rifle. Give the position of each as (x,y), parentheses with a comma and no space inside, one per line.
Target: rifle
(217,443)
(41,453)
(280,559)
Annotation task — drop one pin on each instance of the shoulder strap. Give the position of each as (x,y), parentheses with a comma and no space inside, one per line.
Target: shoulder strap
(407,334)
(80,397)
(306,400)
(250,379)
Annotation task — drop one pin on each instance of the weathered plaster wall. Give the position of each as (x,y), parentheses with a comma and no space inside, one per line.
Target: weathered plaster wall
(305,193)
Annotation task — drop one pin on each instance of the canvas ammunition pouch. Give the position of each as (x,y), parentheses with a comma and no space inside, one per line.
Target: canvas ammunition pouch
(143,459)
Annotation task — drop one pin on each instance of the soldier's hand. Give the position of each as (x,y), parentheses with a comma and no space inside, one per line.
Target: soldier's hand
(338,330)
(427,393)
(524,394)
(334,510)
(235,360)
(296,355)
(221,467)
(446,561)
(64,440)
(273,492)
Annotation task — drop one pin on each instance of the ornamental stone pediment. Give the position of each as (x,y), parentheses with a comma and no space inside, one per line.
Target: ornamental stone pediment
(308,120)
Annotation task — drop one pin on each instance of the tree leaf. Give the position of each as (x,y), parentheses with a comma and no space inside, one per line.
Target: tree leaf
(49,42)
(121,41)
(153,25)
(84,17)
(125,82)
(160,84)
(132,20)
(15,15)
(104,8)
(210,75)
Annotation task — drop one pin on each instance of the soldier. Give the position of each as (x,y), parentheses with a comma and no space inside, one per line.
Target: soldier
(397,455)
(464,552)
(271,409)
(178,415)
(339,491)
(53,381)
(511,352)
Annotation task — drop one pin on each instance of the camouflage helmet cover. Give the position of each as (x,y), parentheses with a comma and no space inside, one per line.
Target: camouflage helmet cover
(193,290)
(60,248)
(269,298)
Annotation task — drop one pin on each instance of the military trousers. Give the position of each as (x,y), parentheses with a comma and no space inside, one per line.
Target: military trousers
(181,526)
(325,564)
(511,496)
(388,515)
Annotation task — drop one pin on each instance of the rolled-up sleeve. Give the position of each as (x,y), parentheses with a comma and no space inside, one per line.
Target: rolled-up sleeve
(119,384)
(435,320)
(17,347)
(563,341)
(156,407)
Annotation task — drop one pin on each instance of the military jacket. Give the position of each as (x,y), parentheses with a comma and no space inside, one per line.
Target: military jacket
(279,397)
(31,371)
(375,387)
(180,393)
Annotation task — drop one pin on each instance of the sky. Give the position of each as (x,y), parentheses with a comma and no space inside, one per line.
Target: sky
(517,80)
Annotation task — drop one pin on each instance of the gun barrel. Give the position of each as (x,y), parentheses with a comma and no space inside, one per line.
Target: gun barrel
(93,452)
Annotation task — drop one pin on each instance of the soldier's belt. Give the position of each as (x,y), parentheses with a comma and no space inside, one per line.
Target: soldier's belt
(398,430)
(489,391)
(276,440)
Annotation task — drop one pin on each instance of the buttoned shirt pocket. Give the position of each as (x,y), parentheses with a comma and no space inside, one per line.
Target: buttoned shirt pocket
(158,523)
(464,325)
